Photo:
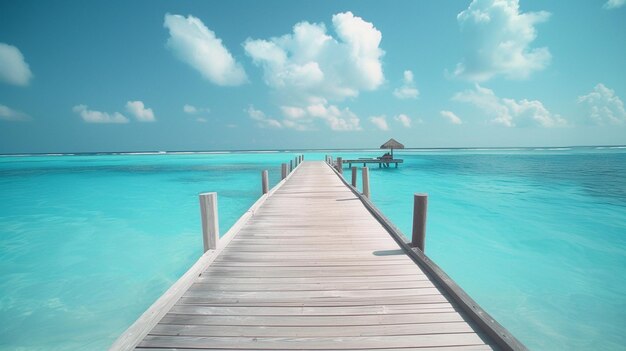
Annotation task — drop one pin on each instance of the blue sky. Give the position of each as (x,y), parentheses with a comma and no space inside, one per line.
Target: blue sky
(165,75)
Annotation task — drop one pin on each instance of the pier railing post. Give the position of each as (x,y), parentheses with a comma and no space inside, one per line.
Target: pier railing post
(264,183)
(283,171)
(290,166)
(340,165)
(420,205)
(366,182)
(210,222)
(354,177)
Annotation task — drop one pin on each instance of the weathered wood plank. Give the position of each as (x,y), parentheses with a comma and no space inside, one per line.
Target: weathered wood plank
(309,280)
(306,294)
(320,343)
(211,285)
(317,331)
(311,311)
(444,348)
(343,301)
(306,321)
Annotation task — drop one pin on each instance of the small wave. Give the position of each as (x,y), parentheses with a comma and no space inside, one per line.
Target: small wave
(617,147)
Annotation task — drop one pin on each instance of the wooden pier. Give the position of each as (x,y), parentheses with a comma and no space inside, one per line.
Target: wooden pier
(313,265)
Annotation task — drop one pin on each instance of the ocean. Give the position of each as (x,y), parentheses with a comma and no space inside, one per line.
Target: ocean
(537,236)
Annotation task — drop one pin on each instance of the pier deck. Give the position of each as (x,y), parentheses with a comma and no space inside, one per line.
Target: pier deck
(378,161)
(311,269)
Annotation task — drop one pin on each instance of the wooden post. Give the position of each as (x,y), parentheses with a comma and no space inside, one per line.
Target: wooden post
(366,182)
(290,166)
(420,205)
(283,171)
(264,182)
(354,177)
(340,165)
(210,222)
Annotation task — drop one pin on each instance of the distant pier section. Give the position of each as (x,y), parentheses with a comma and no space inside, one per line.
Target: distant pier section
(383,161)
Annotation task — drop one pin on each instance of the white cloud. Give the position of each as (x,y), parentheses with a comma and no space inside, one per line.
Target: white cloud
(408,89)
(310,69)
(613,4)
(292,112)
(508,112)
(336,118)
(193,110)
(450,117)
(139,111)
(497,38)
(312,65)
(262,120)
(304,118)
(9,114)
(404,120)
(91,116)
(196,45)
(13,68)
(602,106)
(190,109)
(380,122)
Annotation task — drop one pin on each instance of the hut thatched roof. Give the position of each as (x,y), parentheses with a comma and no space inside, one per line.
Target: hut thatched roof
(392,144)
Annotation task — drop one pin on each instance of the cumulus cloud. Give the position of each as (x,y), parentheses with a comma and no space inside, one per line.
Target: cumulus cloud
(193,110)
(196,45)
(91,116)
(496,40)
(380,122)
(13,68)
(509,112)
(336,118)
(138,110)
(613,4)
(293,112)
(312,65)
(450,117)
(9,114)
(404,120)
(408,89)
(309,70)
(602,106)
(262,120)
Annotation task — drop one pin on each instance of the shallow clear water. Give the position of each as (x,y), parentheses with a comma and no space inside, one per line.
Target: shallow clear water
(537,237)
(87,243)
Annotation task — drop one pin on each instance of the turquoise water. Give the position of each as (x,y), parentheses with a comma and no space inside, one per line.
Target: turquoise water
(537,237)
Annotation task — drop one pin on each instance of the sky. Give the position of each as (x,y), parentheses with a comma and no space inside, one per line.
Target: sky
(96,76)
